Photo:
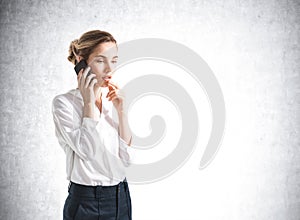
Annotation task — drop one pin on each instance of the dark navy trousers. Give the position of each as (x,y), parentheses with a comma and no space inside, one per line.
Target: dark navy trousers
(98,202)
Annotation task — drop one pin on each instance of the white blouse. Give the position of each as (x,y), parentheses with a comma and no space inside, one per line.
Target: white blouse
(95,153)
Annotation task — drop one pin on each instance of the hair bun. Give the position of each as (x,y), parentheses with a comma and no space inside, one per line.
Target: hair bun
(73,51)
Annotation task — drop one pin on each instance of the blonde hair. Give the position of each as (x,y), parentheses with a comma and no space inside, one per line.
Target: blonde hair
(86,44)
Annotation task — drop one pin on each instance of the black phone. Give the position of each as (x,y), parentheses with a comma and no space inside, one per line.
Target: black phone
(81,65)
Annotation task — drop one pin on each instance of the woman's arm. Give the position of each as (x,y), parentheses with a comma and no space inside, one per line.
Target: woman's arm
(82,137)
(118,99)
(89,110)
(124,130)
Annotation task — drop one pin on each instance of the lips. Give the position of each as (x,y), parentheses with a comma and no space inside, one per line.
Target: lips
(106,78)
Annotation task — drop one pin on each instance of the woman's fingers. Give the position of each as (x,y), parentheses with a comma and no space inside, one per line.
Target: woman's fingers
(79,78)
(86,83)
(113,97)
(93,82)
(111,92)
(89,79)
(83,78)
(113,85)
(79,74)
(114,94)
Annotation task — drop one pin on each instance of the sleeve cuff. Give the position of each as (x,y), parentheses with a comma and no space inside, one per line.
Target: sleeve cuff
(125,152)
(89,122)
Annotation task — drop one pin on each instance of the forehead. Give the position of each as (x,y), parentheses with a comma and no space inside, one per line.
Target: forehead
(108,49)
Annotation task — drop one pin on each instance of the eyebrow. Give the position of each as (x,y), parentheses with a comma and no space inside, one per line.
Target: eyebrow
(105,56)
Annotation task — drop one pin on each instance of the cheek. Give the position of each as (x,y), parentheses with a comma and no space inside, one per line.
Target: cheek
(99,74)
(98,69)
(99,77)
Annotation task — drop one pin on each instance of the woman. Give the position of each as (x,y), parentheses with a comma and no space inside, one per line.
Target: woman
(94,141)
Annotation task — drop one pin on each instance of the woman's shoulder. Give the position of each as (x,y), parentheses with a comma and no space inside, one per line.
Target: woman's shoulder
(68,98)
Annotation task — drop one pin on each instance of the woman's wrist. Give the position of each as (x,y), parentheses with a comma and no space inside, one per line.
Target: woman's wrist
(88,110)
(122,113)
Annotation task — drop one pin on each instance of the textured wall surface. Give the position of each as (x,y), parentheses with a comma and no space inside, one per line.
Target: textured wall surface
(252,47)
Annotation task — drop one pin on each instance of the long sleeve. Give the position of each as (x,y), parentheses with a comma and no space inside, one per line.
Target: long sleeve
(81,136)
(125,152)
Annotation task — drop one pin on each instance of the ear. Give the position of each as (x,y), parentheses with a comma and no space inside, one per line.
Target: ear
(78,58)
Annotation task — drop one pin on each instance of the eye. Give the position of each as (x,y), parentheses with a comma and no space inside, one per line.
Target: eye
(100,61)
(114,61)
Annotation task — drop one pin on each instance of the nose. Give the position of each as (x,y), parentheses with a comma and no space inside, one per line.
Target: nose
(108,68)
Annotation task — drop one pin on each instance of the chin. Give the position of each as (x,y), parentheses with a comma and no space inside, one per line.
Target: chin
(104,85)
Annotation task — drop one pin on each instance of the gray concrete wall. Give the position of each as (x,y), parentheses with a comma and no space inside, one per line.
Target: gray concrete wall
(252,47)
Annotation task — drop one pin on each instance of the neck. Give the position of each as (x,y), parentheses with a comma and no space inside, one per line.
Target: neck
(98,92)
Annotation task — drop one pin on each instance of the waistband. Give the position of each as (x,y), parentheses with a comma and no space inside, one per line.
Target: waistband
(96,191)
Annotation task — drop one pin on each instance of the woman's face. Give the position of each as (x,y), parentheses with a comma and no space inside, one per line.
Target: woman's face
(103,61)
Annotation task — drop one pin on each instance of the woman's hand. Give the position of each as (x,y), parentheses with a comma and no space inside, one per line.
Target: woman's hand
(86,86)
(115,95)
(118,99)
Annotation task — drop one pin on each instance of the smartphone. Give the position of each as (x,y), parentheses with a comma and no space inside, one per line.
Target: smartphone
(81,65)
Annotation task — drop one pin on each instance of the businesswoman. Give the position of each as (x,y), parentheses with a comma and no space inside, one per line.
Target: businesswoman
(92,128)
